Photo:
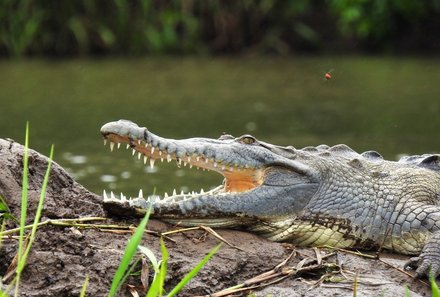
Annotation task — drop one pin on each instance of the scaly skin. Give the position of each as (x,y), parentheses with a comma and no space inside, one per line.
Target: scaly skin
(311,196)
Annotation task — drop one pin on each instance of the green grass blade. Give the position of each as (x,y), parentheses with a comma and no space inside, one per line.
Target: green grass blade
(84,287)
(3,206)
(151,257)
(21,264)
(407,292)
(190,275)
(163,266)
(24,202)
(434,288)
(156,287)
(128,272)
(153,291)
(129,253)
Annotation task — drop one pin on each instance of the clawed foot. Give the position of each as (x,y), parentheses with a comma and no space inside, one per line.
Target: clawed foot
(423,266)
(428,262)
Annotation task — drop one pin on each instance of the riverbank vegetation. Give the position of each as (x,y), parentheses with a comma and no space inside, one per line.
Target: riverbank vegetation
(122,27)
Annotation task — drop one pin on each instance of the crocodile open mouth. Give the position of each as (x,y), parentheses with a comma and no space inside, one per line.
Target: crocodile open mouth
(238,178)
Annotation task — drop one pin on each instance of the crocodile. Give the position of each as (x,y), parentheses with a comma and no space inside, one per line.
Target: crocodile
(313,196)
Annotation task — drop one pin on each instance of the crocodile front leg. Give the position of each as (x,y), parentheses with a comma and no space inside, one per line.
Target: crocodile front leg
(428,262)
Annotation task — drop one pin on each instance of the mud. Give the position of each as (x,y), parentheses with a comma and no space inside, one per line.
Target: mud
(61,257)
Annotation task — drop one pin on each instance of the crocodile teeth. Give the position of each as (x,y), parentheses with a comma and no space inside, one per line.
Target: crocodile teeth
(104,194)
(165,195)
(139,155)
(197,158)
(105,141)
(141,195)
(174,192)
(152,163)
(152,150)
(139,141)
(123,198)
(112,196)
(128,145)
(160,153)
(119,145)
(112,145)
(145,160)
(133,152)
(146,144)
(202,191)
(168,158)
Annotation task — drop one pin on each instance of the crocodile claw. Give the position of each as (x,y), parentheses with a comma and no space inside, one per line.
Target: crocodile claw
(428,262)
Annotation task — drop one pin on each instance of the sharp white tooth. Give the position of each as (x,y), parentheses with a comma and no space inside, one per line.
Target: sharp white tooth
(104,194)
(189,159)
(112,145)
(181,193)
(152,163)
(161,159)
(168,158)
(231,168)
(140,195)
(145,160)
(179,161)
(123,198)
(119,145)
(139,156)
(223,168)
(160,153)
(105,141)
(215,164)
(152,150)
(112,196)
(206,160)
(197,158)
(190,165)
(202,191)
(139,141)
(127,147)
(174,192)
(165,195)
(184,163)
(146,144)
(134,151)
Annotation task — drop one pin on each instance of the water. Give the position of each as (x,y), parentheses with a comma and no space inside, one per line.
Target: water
(386,104)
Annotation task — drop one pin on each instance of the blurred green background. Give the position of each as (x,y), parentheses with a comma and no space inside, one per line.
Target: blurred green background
(138,27)
(200,68)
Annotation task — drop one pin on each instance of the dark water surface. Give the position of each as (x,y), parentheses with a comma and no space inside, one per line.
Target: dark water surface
(390,105)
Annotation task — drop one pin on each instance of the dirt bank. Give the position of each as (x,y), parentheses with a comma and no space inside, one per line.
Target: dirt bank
(62,256)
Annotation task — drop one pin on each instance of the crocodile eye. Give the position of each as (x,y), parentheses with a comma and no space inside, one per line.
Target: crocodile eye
(248,139)
(225,136)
